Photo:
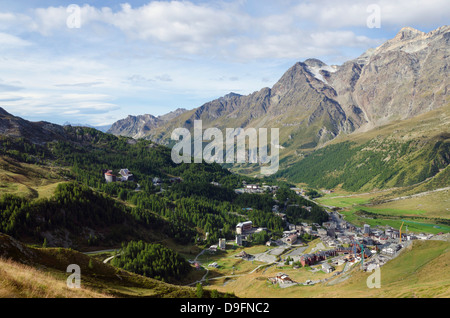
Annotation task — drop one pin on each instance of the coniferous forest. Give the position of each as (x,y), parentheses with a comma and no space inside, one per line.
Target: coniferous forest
(152,260)
(88,211)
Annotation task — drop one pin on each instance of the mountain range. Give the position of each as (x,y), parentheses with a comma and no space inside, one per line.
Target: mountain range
(380,120)
(313,103)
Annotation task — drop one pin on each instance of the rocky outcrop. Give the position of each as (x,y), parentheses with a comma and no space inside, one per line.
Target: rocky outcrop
(406,76)
(140,126)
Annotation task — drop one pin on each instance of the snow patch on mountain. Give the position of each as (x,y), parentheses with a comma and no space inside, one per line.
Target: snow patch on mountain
(315,70)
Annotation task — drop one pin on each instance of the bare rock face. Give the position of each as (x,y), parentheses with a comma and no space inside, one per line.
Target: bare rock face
(172,115)
(313,102)
(140,126)
(406,76)
(134,126)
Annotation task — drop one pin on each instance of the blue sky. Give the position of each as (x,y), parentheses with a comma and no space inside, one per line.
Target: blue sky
(152,57)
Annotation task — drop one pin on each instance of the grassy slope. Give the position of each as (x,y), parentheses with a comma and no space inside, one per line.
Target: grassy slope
(408,150)
(427,125)
(28,180)
(50,264)
(435,204)
(429,204)
(21,281)
(422,271)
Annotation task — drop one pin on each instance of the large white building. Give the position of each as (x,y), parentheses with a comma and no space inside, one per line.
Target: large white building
(243,227)
(126,175)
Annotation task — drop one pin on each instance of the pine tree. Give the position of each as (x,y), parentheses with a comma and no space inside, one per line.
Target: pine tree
(199,292)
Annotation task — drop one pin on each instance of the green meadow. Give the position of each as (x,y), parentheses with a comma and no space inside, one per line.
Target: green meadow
(426,213)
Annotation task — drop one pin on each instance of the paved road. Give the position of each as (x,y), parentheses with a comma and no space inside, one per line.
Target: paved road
(104,251)
(109,258)
(297,252)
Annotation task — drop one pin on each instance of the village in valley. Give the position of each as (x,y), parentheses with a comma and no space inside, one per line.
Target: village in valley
(334,247)
(337,246)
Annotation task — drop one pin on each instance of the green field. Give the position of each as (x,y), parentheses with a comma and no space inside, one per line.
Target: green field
(413,226)
(343,202)
(420,213)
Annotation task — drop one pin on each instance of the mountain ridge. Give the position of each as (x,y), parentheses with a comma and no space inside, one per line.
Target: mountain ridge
(313,102)
(38,132)
(137,126)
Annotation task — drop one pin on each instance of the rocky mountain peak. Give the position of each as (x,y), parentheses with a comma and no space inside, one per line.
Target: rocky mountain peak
(172,114)
(314,63)
(408,33)
(231,95)
(410,40)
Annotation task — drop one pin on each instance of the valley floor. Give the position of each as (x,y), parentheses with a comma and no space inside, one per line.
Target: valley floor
(422,270)
(427,212)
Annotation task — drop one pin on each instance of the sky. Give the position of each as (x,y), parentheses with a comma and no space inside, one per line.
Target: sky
(95,62)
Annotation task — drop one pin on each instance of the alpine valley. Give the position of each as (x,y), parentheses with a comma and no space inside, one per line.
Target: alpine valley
(385,113)
(363,185)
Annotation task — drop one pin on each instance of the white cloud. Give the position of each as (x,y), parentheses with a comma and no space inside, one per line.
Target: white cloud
(220,30)
(85,84)
(9,87)
(176,22)
(304,45)
(335,39)
(8,41)
(77,107)
(349,13)
(177,52)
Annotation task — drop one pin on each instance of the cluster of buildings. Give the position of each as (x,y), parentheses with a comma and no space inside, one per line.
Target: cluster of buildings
(296,230)
(256,188)
(344,242)
(337,233)
(124,175)
(380,244)
(220,246)
(157,182)
(244,231)
(311,259)
(302,192)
